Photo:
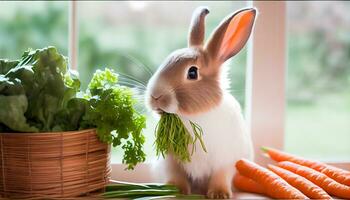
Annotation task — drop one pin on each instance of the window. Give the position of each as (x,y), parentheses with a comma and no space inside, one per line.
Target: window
(134,37)
(318,82)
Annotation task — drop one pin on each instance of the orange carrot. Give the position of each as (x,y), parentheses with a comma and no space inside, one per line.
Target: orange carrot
(329,185)
(246,184)
(274,185)
(304,185)
(340,175)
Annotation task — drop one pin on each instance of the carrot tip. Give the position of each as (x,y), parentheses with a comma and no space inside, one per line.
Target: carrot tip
(264,149)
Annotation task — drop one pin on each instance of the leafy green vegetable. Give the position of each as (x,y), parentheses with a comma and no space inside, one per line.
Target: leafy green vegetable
(12,115)
(6,65)
(172,136)
(38,94)
(121,185)
(71,117)
(145,191)
(42,76)
(49,91)
(112,110)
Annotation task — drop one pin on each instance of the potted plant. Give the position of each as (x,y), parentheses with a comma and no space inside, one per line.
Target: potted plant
(54,138)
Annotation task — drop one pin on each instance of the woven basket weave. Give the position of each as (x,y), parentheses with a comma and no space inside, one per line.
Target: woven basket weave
(57,164)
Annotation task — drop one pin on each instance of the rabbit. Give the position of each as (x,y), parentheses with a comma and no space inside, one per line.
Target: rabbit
(192,83)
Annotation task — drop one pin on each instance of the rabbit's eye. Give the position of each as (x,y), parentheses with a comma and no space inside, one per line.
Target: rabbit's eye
(192,73)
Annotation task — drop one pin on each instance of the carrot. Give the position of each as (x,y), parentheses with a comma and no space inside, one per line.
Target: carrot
(340,175)
(329,185)
(246,184)
(274,185)
(304,185)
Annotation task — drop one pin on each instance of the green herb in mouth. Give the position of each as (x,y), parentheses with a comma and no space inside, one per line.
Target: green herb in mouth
(173,137)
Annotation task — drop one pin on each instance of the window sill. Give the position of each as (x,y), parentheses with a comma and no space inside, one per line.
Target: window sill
(245,195)
(143,172)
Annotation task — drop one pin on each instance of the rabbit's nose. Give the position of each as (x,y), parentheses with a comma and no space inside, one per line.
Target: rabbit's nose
(154,97)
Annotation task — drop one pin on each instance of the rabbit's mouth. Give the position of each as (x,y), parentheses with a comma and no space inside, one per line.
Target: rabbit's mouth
(159,111)
(165,103)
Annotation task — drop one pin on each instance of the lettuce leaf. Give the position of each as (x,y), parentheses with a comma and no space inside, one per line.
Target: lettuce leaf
(12,115)
(50,89)
(42,76)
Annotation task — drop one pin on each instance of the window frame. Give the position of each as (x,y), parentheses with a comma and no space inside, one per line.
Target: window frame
(265,85)
(73,40)
(265,92)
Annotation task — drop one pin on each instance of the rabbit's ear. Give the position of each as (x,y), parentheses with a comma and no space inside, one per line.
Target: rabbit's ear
(197,27)
(231,35)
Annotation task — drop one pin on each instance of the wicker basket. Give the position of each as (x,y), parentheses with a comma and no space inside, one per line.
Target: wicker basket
(57,164)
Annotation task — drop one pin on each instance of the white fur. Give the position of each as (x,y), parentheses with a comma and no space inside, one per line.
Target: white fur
(225,137)
(159,85)
(224,78)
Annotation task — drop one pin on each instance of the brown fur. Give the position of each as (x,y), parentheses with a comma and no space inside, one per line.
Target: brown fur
(197,27)
(198,96)
(193,96)
(216,46)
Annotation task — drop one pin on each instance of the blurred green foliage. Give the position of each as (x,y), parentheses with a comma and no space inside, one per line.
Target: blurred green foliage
(316,68)
(33,25)
(318,50)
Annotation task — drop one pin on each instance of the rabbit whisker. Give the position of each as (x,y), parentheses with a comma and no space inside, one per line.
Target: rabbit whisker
(136,62)
(130,84)
(131,78)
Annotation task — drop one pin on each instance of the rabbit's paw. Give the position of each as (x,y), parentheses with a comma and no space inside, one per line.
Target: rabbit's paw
(220,186)
(182,184)
(219,193)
